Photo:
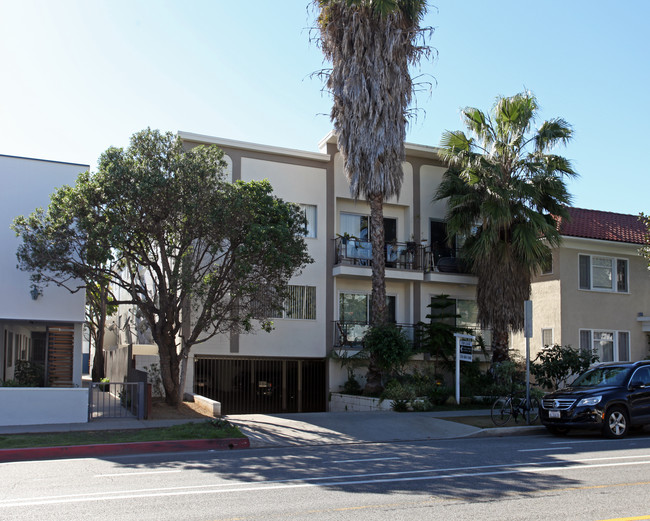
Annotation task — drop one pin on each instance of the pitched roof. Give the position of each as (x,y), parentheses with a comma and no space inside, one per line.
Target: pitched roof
(606,226)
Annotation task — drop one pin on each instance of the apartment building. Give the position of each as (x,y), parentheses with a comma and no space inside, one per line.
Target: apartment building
(290,369)
(596,293)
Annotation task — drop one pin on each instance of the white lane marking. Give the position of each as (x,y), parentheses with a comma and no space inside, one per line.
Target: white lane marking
(362,460)
(544,450)
(575,442)
(136,473)
(353,479)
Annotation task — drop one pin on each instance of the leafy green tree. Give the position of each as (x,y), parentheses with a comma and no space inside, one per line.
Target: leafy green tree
(370,44)
(196,254)
(645,251)
(554,365)
(505,190)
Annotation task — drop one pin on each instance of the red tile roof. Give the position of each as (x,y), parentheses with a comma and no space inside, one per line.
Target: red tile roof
(606,226)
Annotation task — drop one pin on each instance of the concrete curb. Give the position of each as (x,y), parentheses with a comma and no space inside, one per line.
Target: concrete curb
(509,431)
(117,449)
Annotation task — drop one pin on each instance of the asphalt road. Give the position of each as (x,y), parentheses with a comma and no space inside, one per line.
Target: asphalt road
(578,477)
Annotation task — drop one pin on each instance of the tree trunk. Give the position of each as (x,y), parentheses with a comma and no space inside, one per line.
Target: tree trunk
(378,298)
(99,370)
(169,369)
(378,309)
(500,346)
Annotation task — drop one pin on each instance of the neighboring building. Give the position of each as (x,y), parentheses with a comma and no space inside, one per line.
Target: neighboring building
(596,294)
(46,327)
(290,369)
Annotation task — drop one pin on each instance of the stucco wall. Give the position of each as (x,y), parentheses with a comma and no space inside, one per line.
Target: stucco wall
(27,185)
(41,406)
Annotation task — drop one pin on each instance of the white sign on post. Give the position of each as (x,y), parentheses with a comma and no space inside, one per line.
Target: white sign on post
(464,345)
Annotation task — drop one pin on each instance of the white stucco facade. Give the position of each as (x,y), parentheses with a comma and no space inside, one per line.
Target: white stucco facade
(25,320)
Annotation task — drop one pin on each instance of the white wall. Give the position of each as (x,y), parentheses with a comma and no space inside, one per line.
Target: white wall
(27,185)
(42,406)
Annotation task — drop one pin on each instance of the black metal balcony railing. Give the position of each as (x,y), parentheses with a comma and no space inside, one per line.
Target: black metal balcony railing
(358,252)
(350,335)
(400,255)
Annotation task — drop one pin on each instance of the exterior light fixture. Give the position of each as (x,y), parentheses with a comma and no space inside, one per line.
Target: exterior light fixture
(35,293)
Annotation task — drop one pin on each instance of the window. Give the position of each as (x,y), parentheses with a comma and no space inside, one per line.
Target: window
(300,304)
(547,265)
(466,312)
(610,346)
(358,226)
(599,273)
(547,337)
(310,214)
(356,308)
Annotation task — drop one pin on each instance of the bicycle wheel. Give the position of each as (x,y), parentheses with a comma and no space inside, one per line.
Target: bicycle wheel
(501,410)
(534,409)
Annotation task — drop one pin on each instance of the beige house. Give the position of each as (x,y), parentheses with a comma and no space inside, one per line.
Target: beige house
(596,295)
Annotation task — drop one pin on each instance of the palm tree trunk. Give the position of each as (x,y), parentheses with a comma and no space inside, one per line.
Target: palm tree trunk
(378,315)
(500,346)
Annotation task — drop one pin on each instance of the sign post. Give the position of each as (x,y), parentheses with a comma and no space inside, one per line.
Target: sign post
(464,346)
(528,332)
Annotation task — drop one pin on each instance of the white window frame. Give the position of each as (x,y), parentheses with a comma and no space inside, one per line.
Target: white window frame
(312,224)
(614,274)
(369,296)
(282,314)
(544,344)
(616,335)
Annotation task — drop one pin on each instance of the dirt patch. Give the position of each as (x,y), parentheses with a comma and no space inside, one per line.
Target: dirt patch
(160,410)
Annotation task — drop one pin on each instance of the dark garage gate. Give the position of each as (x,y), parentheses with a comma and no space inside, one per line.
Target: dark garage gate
(262,385)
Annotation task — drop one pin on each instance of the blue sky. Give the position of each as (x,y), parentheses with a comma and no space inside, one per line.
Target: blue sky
(82,75)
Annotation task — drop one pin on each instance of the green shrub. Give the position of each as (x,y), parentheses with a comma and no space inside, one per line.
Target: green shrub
(351,385)
(422,405)
(389,347)
(29,374)
(554,365)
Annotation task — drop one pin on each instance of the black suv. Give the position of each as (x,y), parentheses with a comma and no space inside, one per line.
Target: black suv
(612,397)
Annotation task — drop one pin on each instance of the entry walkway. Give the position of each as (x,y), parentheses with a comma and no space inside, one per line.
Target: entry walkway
(351,427)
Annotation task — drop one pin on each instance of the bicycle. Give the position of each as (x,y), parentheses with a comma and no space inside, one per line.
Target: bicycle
(514,406)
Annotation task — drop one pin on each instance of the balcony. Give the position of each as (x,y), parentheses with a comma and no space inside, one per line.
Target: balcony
(405,256)
(349,335)
(358,252)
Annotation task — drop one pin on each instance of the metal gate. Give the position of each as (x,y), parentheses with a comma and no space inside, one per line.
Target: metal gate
(262,385)
(116,400)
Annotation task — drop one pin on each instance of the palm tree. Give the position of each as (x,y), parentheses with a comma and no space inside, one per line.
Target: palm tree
(505,190)
(371,44)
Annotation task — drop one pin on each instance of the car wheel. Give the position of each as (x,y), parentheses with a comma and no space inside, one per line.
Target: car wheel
(557,431)
(616,422)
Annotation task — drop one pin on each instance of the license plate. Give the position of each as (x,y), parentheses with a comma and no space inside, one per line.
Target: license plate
(554,414)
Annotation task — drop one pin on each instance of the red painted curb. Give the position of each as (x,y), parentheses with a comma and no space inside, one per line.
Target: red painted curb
(114,449)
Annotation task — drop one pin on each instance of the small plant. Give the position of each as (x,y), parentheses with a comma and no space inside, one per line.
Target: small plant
(104,385)
(400,405)
(125,398)
(422,405)
(9,383)
(220,423)
(352,386)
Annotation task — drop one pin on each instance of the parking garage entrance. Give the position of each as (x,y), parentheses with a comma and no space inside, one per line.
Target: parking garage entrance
(262,385)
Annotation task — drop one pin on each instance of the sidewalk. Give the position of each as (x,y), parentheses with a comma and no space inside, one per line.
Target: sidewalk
(277,430)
